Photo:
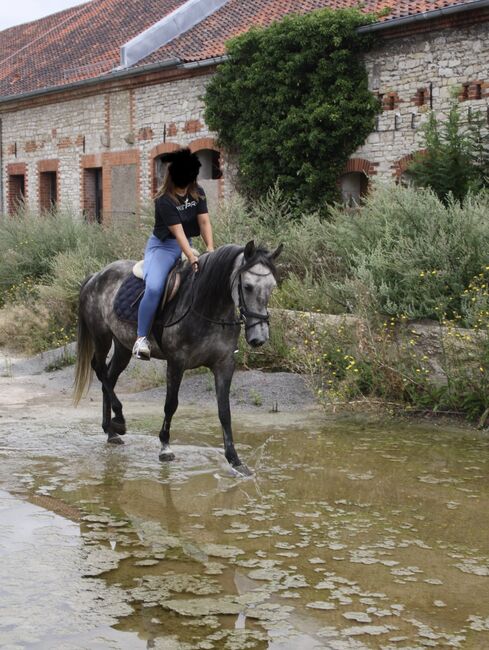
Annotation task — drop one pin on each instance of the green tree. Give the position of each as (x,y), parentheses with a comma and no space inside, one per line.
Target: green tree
(456,158)
(292,103)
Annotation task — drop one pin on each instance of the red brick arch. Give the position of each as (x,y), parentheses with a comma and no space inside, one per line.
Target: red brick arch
(203,143)
(400,166)
(360,165)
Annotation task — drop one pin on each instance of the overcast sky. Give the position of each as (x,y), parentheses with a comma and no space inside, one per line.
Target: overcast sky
(14,12)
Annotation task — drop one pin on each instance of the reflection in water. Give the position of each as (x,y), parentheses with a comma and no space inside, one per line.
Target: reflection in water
(350,535)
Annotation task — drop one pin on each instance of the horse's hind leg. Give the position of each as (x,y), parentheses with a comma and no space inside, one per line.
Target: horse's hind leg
(117,365)
(174,374)
(110,401)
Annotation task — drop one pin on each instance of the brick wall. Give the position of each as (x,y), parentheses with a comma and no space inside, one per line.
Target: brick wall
(133,126)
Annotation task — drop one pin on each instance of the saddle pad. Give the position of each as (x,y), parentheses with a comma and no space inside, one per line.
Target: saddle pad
(128,297)
(126,303)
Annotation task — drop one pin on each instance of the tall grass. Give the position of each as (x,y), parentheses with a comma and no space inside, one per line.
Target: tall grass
(43,261)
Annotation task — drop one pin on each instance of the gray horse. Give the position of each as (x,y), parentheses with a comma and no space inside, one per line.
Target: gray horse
(200,327)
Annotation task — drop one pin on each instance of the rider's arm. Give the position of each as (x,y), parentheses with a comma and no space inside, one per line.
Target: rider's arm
(178,233)
(206,230)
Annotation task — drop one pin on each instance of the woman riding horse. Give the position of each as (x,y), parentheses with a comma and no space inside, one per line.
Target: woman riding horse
(180,213)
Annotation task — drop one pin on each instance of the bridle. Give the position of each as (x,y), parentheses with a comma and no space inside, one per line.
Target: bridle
(244,312)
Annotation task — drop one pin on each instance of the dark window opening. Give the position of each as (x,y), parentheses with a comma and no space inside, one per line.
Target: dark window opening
(353,186)
(93,195)
(211,164)
(48,191)
(16,187)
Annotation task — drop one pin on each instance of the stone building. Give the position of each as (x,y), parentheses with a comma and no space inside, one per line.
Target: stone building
(91,97)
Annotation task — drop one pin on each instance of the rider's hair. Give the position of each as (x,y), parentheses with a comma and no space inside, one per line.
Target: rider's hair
(168,187)
(181,172)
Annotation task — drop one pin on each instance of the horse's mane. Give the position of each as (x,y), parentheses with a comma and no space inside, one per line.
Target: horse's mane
(212,289)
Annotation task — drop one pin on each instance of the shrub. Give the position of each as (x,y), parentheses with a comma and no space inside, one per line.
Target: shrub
(456,158)
(405,252)
(43,260)
(292,103)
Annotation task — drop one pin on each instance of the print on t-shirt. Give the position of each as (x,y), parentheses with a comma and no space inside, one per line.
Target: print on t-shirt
(169,213)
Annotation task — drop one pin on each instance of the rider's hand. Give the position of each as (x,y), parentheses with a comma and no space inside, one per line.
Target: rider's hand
(195,263)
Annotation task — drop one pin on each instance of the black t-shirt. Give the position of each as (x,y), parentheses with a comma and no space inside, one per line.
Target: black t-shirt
(185,211)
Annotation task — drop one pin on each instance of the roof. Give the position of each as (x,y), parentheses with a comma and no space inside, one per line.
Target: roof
(84,42)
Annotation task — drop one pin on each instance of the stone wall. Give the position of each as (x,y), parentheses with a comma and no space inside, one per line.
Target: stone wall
(402,70)
(119,133)
(129,128)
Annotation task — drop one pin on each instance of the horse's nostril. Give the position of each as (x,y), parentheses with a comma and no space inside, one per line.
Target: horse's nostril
(255,343)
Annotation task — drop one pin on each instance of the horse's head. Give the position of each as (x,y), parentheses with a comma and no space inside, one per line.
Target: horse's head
(253,282)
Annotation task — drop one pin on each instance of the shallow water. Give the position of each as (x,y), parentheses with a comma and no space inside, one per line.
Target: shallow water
(350,535)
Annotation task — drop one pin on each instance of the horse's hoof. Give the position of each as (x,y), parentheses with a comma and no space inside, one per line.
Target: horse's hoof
(166,455)
(118,426)
(242,470)
(115,439)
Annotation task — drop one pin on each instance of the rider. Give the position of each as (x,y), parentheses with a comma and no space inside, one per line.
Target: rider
(180,213)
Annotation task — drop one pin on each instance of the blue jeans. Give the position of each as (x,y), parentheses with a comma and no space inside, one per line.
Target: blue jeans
(159,258)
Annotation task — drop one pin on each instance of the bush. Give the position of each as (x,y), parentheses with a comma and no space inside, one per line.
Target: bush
(43,260)
(310,105)
(406,253)
(307,263)
(456,158)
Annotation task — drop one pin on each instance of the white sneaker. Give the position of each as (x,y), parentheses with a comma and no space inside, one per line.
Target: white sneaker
(142,349)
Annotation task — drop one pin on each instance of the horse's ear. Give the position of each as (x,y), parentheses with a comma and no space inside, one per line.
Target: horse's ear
(276,252)
(249,250)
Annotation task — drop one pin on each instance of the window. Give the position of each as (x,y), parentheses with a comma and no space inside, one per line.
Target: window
(354,186)
(48,191)
(210,160)
(92,194)
(16,192)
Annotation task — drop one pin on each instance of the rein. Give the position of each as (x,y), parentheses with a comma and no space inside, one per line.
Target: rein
(244,312)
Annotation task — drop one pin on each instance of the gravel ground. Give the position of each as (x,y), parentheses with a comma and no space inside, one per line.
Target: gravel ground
(251,390)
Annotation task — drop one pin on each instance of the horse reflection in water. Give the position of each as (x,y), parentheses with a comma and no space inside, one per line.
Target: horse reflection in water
(200,327)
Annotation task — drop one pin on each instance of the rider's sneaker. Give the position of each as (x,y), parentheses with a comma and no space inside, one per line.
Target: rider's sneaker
(141,349)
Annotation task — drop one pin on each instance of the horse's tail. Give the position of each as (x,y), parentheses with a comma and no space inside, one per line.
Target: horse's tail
(84,353)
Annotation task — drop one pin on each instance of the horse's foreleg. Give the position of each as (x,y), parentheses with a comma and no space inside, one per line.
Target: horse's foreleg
(223,375)
(174,374)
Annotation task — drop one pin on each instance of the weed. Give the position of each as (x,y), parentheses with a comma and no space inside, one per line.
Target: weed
(256,398)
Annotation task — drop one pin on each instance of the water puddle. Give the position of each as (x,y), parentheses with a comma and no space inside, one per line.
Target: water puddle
(350,535)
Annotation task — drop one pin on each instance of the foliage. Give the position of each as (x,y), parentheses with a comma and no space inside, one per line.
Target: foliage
(456,157)
(43,260)
(405,252)
(307,263)
(292,103)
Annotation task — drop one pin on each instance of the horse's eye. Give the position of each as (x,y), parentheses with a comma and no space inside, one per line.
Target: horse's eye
(248,287)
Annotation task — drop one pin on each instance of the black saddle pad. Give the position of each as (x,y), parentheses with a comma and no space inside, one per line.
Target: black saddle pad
(128,297)
(131,291)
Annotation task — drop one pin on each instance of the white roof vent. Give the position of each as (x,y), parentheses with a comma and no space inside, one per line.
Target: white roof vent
(177,22)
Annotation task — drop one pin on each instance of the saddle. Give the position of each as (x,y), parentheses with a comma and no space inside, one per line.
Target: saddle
(128,297)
